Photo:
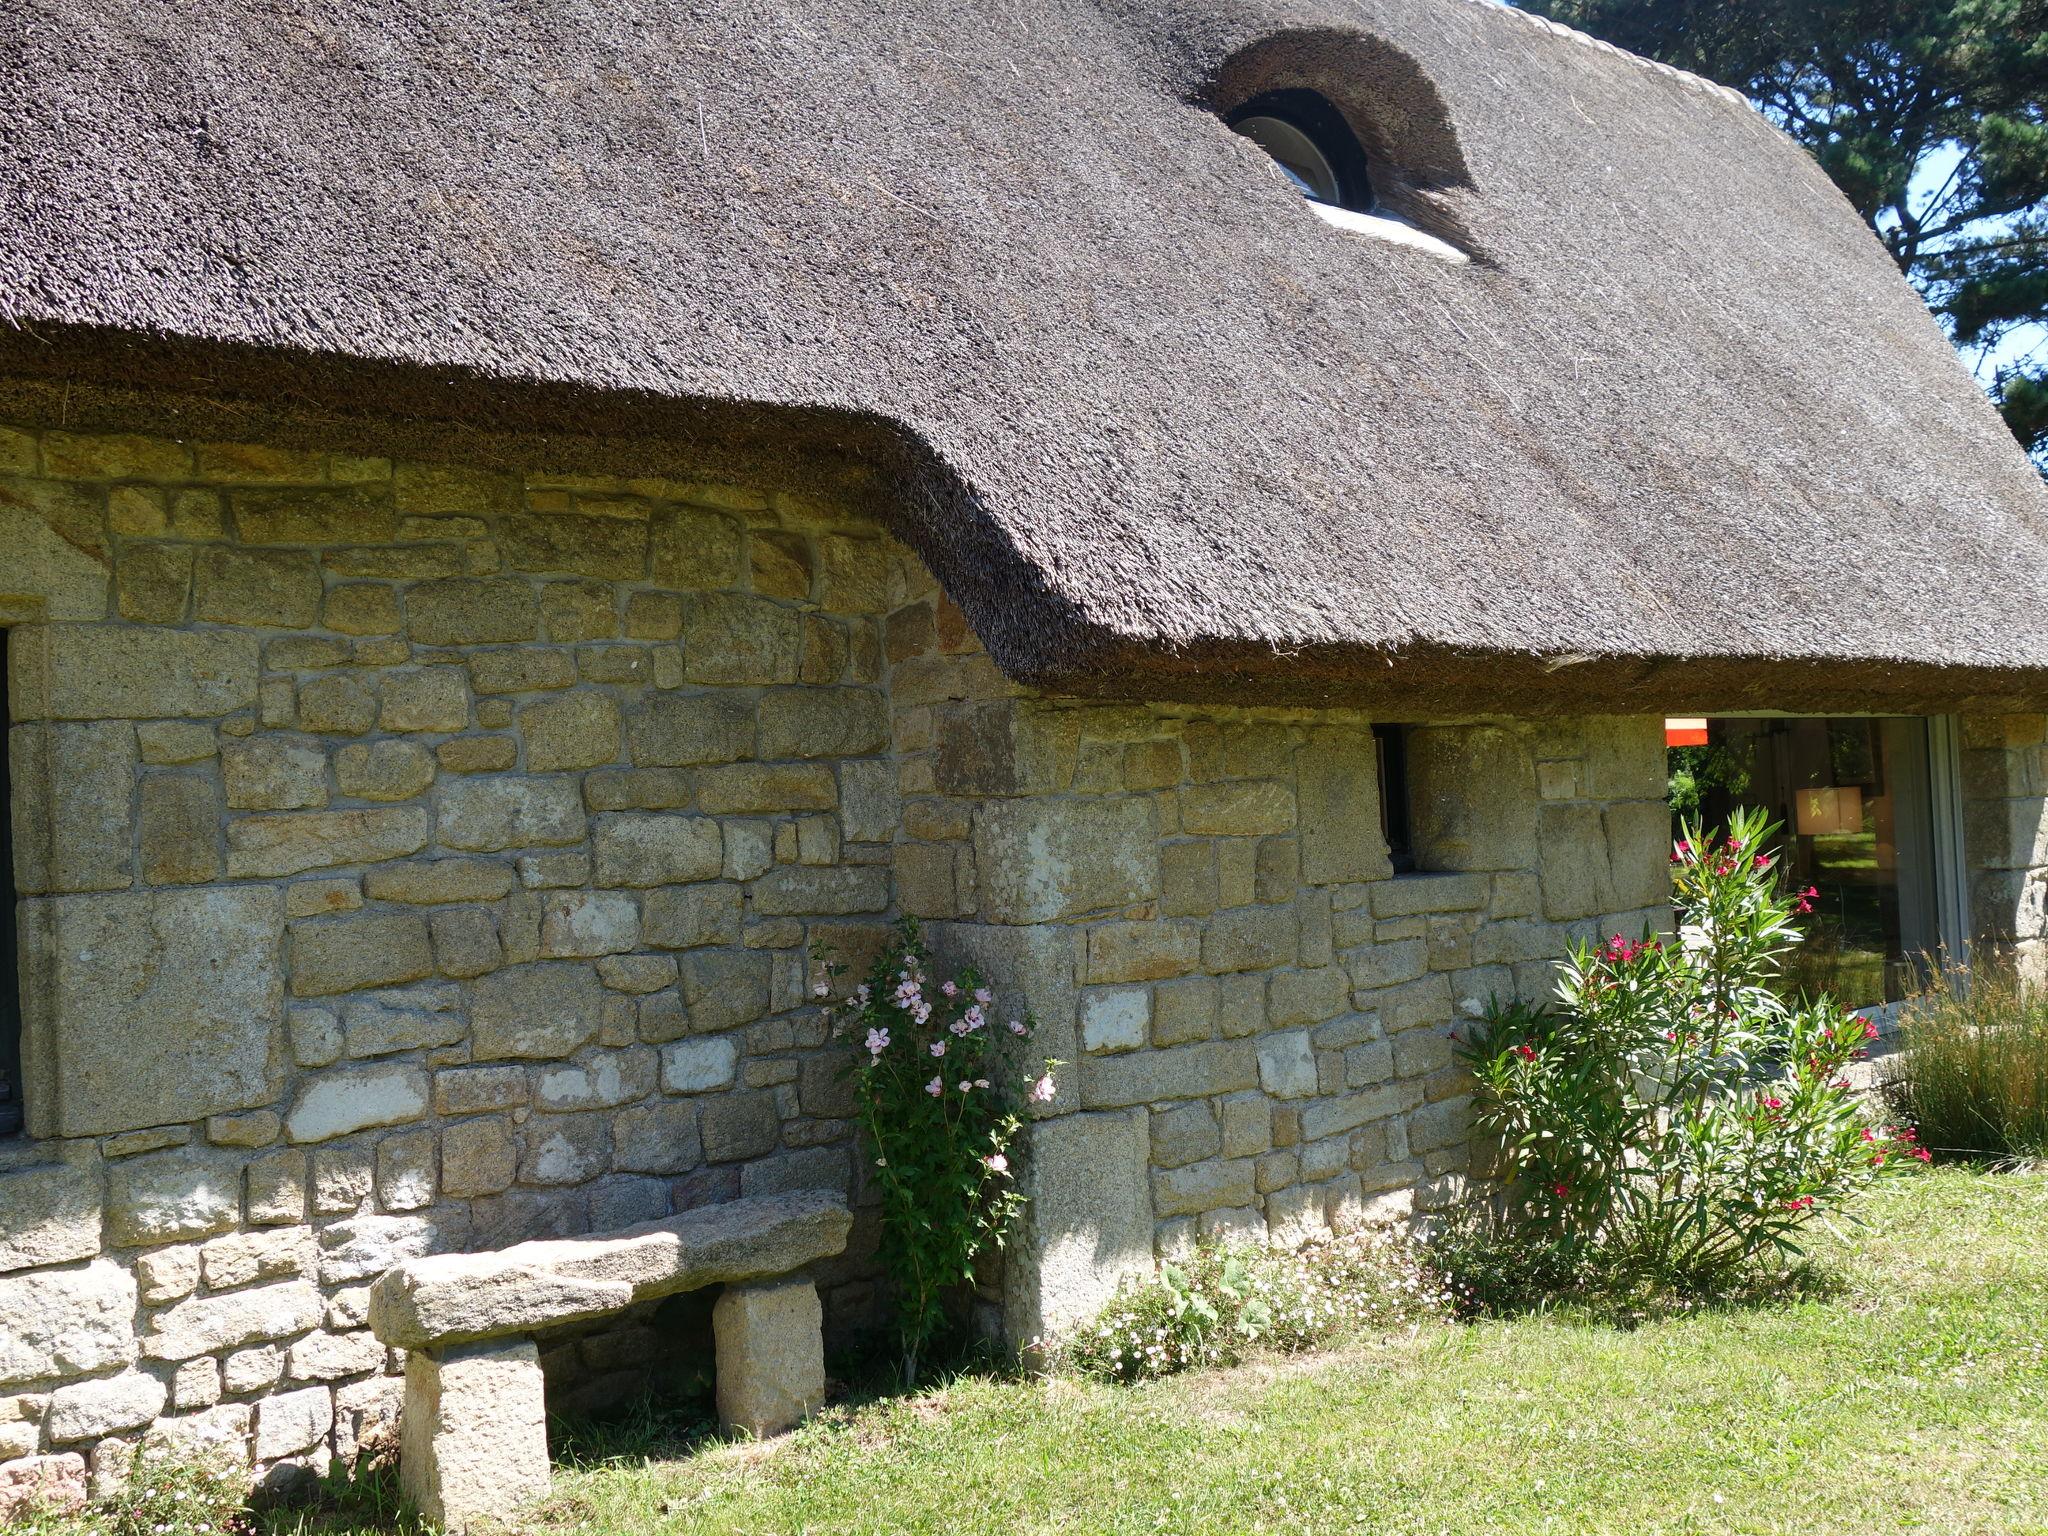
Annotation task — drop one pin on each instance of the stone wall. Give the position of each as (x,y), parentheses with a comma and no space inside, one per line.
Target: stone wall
(1199,908)
(2005,833)
(413,857)
(424,857)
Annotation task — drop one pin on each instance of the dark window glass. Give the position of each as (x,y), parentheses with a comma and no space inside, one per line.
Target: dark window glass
(1310,141)
(1854,798)
(10,976)
(1391,745)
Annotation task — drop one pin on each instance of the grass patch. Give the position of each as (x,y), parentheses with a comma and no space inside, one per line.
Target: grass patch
(1911,1396)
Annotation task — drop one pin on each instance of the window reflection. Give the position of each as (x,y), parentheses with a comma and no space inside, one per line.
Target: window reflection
(1853,796)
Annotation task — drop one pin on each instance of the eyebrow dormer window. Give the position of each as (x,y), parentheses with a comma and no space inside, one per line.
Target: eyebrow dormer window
(1311,143)
(1314,147)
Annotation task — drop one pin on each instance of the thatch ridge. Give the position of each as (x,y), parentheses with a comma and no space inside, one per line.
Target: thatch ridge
(1685,77)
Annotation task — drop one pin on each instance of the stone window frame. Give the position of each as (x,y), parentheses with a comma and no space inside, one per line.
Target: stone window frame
(1390,743)
(13,1091)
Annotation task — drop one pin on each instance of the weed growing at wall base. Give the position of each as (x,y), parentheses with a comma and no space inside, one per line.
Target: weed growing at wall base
(1972,1066)
(1222,1302)
(162,1495)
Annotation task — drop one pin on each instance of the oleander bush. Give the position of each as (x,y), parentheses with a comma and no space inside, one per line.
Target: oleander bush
(1672,1117)
(1971,1070)
(1223,1301)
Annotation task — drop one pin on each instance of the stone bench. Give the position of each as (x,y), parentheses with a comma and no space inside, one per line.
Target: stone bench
(473,1432)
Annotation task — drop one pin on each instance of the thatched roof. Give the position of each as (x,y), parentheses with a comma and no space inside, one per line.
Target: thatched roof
(1679,434)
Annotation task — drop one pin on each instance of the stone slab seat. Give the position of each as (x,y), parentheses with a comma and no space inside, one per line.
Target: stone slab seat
(473,1432)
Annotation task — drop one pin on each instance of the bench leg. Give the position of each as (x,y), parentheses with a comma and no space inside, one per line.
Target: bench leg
(771,1355)
(473,1435)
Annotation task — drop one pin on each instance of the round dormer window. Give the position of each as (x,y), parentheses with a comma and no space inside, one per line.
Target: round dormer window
(1295,153)
(1311,143)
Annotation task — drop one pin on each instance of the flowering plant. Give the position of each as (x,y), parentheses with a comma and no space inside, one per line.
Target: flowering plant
(1673,1110)
(929,1088)
(1219,1302)
(167,1496)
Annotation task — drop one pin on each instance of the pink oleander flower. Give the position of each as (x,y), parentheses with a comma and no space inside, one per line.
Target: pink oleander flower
(935,1087)
(878,1041)
(1043,1090)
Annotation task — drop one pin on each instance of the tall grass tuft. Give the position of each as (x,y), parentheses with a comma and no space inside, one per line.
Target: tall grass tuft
(1972,1068)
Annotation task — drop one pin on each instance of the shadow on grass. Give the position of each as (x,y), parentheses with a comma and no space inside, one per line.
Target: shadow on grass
(663,1425)
(1495,1268)
(358,1500)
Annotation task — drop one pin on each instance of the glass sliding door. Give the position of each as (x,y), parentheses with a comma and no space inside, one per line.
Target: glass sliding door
(1856,804)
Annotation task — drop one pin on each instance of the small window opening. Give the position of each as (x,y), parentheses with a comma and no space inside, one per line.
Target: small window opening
(1391,745)
(1311,143)
(11,1105)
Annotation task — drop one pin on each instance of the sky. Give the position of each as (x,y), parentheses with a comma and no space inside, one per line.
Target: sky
(2024,343)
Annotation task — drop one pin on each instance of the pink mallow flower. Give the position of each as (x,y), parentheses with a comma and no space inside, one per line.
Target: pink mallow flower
(995,1162)
(1017,1027)
(935,1087)
(878,1041)
(983,996)
(1042,1091)
(949,989)
(938,1047)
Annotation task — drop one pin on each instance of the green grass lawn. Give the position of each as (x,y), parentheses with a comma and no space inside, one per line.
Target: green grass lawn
(1913,1397)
